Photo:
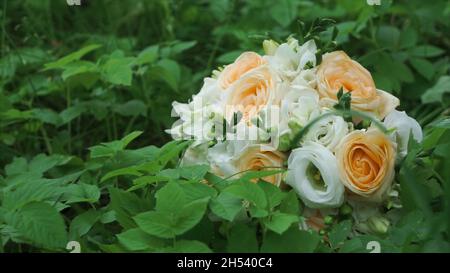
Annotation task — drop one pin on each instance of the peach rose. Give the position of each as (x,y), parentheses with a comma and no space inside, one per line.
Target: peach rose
(232,157)
(244,63)
(366,163)
(251,93)
(258,157)
(339,70)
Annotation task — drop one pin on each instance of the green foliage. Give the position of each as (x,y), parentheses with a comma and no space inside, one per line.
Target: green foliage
(72,83)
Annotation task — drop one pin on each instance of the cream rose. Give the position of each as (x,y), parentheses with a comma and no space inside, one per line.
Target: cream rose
(251,93)
(232,157)
(338,70)
(244,63)
(313,173)
(366,163)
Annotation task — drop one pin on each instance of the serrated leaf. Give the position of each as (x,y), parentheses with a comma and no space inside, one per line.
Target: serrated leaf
(290,204)
(226,206)
(81,192)
(169,224)
(82,223)
(279,222)
(426,51)
(293,240)
(137,240)
(170,198)
(148,55)
(117,70)
(156,223)
(41,224)
(248,191)
(71,57)
(242,239)
(126,205)
(424,67)
(188,246)
(120,172)
(340,232)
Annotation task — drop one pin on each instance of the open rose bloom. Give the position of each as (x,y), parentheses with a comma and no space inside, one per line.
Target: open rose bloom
(279,111)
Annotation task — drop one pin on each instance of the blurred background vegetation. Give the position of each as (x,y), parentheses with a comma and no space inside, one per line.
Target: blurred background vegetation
(75,76)
(162,49)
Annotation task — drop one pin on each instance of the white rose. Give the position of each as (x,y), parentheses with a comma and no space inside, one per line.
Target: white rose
(289,59)
(403,125)
(327,131)
(314,175)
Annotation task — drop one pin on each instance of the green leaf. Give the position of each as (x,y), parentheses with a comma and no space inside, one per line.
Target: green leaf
(170,198)
(144,181)
(182,46)
(229,57)
(169,71)
(126,205)
(31,191)
(148,55)
(109,149)
(169,224)
(188,246)
(17,166)
(340,232)
(124,171)
(117,70)
(82,223)
(42,163)
(137,240)
(242,239)
(408,38)
(248,191)
(354,245)
(195,172)
(47,116)
(226,206)
(190,215)
(41,224)
(78,67)
(426,51)
(293,240)
(424,67)
(131,108)
(435,93)
(279,222)
(160,224)
(197,190)
(273,194)
(290,203)
(130,137)
(71,57)
(388,36)
(254,175)
(284,12)
(81,192)
(70,113)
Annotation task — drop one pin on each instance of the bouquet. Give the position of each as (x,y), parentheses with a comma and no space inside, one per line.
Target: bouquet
(316,117)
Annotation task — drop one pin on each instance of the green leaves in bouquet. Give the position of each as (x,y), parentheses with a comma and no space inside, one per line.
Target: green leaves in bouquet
(344,102)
